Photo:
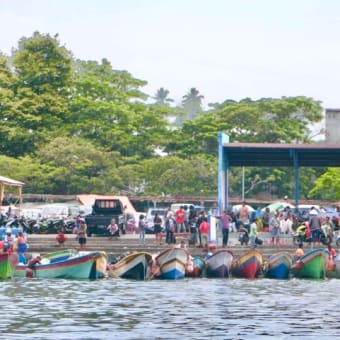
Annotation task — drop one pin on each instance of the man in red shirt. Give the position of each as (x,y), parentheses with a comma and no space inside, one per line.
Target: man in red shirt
(180,217)
(204,229)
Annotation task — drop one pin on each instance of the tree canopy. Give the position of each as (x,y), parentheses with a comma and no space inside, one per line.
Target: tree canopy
(70,126)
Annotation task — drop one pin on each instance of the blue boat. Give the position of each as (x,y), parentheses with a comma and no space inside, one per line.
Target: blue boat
(172,263)
(278,266)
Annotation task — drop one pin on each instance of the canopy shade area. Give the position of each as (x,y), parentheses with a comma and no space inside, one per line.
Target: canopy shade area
(271,155)
(4,181)
(279,155)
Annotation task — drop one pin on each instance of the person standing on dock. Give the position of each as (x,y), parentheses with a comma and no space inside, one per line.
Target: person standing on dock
(226,220)
(141,227)
(204,229)
(315,226)
(274,228)
(82,235)
(157,225)
(180,219)
(170,228)
(243,215)
(253,234)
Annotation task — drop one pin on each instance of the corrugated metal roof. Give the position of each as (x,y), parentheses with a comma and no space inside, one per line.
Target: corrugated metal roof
(278,155)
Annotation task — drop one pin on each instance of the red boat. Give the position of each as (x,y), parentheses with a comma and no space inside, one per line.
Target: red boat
(248,265)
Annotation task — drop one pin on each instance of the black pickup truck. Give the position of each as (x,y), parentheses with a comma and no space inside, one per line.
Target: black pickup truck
(103,211)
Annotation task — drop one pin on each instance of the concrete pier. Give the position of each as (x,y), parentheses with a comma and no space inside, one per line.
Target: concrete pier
(46,243)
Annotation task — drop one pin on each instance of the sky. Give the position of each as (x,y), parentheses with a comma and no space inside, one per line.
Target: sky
(226,49)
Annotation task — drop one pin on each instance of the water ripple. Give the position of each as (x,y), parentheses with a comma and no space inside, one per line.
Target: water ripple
(185,309)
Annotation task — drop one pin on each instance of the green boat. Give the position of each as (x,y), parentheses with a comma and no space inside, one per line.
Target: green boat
(63,264)
(312,265)
(7,265)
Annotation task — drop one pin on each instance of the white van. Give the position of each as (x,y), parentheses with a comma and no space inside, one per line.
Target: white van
(175,206)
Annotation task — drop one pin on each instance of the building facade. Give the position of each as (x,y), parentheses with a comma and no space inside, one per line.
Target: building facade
(332,126)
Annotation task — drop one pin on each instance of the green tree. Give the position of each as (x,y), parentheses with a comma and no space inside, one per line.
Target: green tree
(107,108)
(76,165)
(327,186)
(42,70)
(162,97)
(7,99)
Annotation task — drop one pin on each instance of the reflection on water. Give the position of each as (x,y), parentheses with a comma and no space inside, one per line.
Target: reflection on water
(184,309)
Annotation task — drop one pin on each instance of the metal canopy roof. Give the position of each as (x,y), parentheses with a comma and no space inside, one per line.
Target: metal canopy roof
(281,155)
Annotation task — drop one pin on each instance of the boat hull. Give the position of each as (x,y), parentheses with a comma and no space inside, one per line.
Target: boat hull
(99,268)
(312,265)
(77,267)
(134,266)
(248,265)
(172,263)
(279,265)
(219,264)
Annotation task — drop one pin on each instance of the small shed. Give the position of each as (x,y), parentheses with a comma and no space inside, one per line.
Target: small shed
(4,181)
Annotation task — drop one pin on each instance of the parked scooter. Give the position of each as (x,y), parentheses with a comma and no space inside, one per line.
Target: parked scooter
(302,234)
(244,236)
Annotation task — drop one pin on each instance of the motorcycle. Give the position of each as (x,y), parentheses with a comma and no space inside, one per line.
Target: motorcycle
(244,236)
(302,234)
(326,235)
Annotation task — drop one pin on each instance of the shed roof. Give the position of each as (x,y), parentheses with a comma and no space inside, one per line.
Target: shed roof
(278,155)
(10,182)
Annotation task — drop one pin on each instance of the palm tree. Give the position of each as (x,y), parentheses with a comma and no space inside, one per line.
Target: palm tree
(161,97)
(192,103)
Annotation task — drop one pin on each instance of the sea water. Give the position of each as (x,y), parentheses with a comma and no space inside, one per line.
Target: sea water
(183,309)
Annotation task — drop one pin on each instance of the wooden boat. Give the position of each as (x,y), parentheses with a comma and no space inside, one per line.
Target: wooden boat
(248,265)
(133,266)
(219,264)
(172,263)
(195,267)
(99,268)
(59,265)
(278,265)
(311,265)
(7,264)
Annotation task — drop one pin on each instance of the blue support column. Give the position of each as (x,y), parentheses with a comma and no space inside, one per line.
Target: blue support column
(222,174)
(296,178)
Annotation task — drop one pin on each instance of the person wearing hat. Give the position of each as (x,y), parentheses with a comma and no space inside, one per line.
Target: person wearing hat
(315,226)
(8,240)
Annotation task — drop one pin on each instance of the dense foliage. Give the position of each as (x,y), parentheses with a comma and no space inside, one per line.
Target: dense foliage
(72,126)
